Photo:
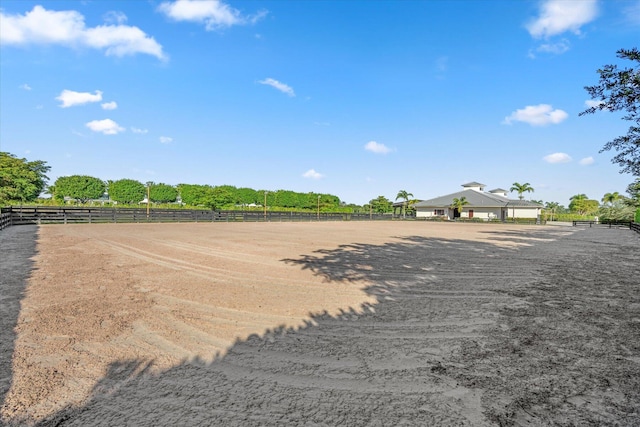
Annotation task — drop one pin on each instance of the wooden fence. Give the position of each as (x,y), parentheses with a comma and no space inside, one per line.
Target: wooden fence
(71,215)
(17,215)
(5,219)
(605,224)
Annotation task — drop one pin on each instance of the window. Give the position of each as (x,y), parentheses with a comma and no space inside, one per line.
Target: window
(438,212)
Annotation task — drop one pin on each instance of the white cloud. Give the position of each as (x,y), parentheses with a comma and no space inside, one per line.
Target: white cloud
(278,85)
(25,87)
(311,173)
(587,161)
(166,140)
(557,158)
(69,98)
(139,131)
(592,103)
(559,16)
(537,115)
(557,48)
(67,28)
(214,14)
(115,17)
(376,147)
(632,13)
(109,105)
(106,126)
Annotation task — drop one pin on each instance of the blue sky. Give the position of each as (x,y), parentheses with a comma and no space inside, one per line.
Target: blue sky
(353,98)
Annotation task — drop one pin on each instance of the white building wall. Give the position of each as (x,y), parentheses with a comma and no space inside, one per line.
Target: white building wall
(483,213)
(523,212)
(431,212)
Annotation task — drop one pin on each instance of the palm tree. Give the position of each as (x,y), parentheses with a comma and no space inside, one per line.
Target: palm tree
(404,195)
(551,207)
(459,204)
(610,198)
(577,203)
(521,188)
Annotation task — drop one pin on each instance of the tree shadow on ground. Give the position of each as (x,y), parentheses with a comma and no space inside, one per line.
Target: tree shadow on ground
(463,333)
(18,247)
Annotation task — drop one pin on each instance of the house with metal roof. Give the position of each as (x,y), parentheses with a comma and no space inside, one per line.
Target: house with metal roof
(486,205)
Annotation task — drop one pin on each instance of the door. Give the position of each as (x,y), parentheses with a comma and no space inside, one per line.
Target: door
(470,213)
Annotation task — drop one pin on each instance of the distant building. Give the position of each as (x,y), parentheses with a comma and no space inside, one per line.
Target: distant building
(486,205)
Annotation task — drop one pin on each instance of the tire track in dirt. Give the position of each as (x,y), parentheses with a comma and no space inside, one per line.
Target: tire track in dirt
(203,346)
(379,365)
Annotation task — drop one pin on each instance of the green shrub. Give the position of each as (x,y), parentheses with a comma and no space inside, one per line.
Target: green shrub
(573,217)
(637,218)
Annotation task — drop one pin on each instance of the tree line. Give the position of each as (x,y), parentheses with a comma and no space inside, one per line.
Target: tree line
(128,191)
(23,181)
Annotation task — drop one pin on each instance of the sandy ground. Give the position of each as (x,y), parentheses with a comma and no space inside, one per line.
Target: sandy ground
(386,323)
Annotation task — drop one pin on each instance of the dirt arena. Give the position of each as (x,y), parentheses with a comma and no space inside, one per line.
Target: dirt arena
(341,323)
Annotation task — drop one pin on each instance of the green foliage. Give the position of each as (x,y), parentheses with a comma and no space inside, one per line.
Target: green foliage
(550,210)
(610,198)
(127,191)
(248,196)
(582,205)
(162,193)
(217,197)
(616,212)
(619,90)
(230,197)
(21,180)
(79,187)
(637,216)
(353,208)
(521,188)
(404,195)
(205,195)
(459,204)
(633,190)
(193,194)
(381,205)
(565,217)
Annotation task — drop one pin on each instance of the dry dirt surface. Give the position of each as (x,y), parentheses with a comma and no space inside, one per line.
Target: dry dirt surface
(271,324)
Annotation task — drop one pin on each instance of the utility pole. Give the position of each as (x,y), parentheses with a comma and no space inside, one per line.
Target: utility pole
(265,205)
(148,201)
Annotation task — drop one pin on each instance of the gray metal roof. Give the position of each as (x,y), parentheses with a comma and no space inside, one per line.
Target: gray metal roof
(476,199)
(523,203)
(473,184)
